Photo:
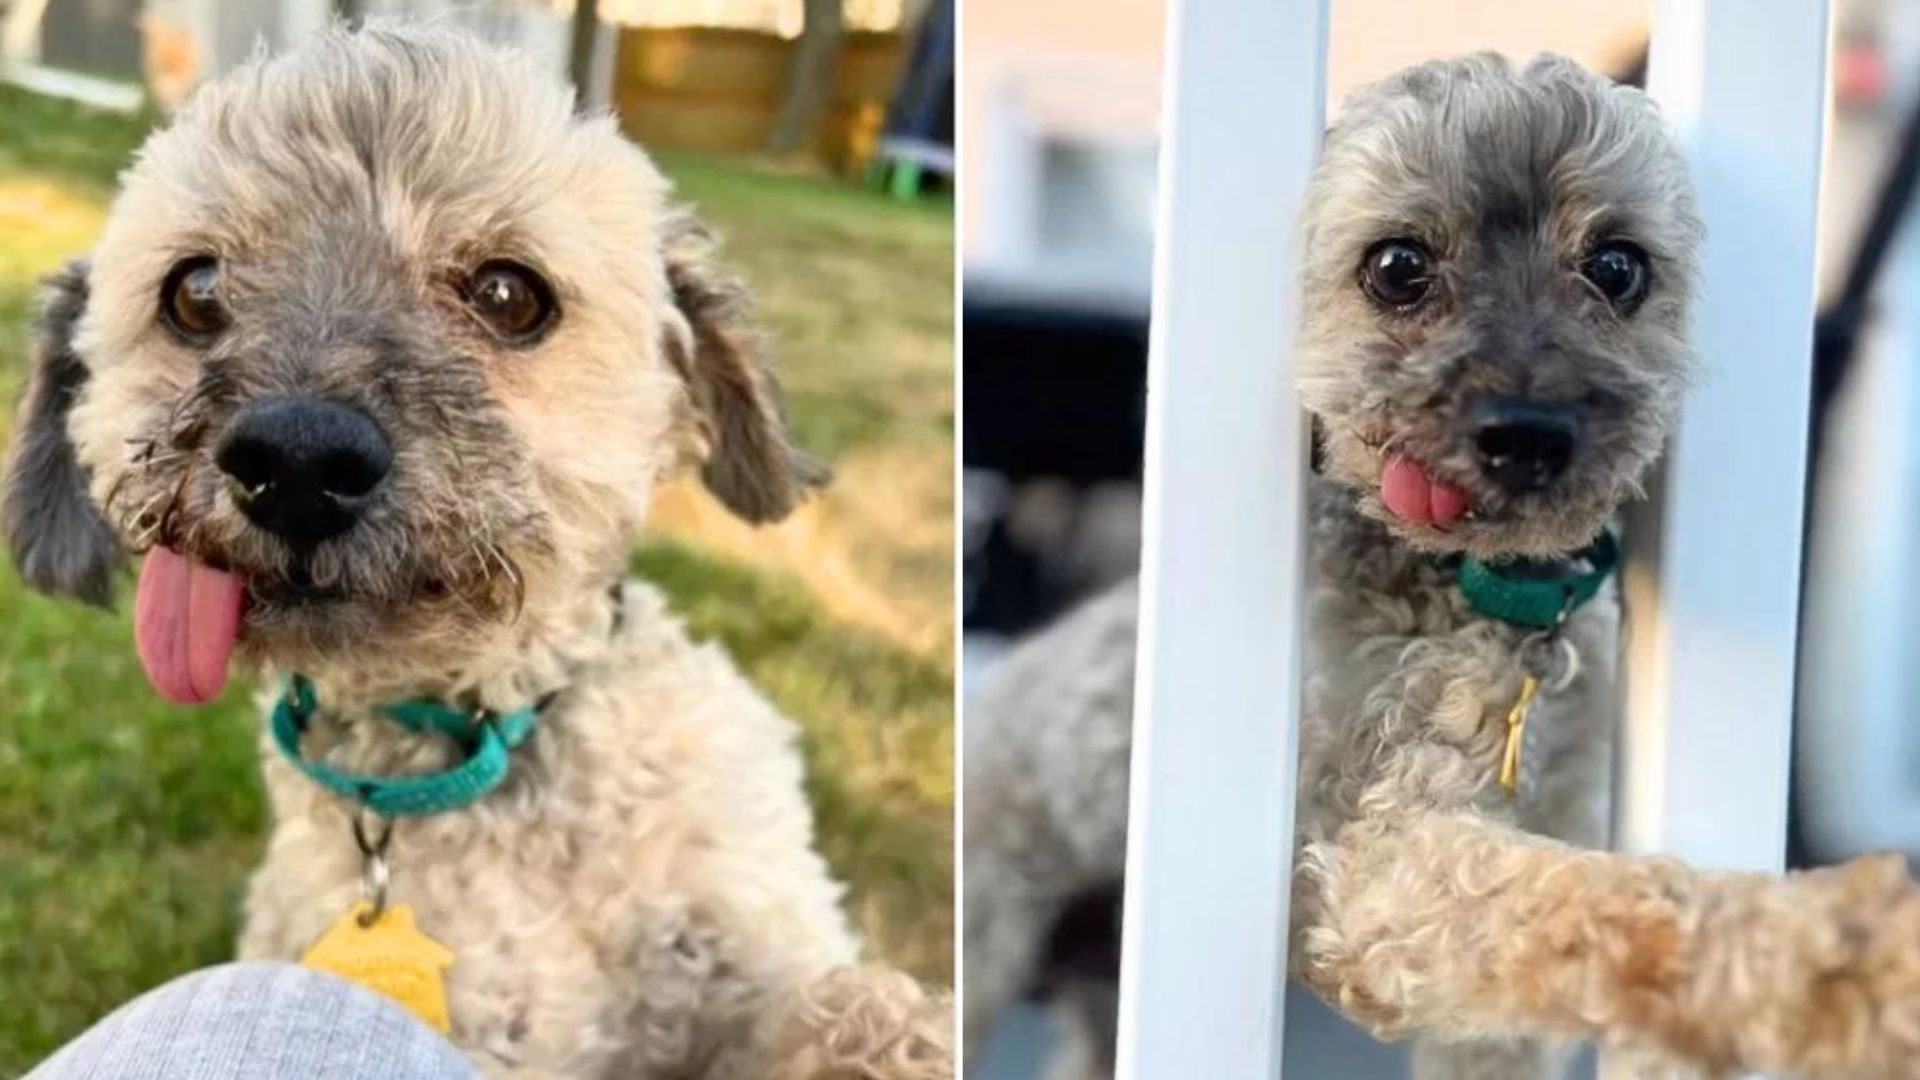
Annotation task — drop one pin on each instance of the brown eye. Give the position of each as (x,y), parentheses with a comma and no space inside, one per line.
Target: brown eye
(190,300)
(1619,270)
(515,302)
(1397,273)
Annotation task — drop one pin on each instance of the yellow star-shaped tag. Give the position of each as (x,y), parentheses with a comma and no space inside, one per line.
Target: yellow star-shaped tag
(389,957)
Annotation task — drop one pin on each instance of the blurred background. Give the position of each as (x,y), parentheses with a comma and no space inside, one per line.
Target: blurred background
(1060,108)
(816,136)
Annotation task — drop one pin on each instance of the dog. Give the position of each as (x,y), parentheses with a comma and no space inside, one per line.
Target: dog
(377,362)
(1496,270)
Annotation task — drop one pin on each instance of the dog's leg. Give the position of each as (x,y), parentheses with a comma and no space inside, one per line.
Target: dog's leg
(1085,1012)
(1009,908)
(1453,925)
(1047,755)
(1086,1048)
(1020,895)
(862,1024)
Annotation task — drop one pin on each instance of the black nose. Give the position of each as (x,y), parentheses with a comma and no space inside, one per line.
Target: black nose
(1524,446)
(302,468)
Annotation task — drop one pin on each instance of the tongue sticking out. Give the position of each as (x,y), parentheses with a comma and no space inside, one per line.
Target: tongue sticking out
(1415,497)
(186,617)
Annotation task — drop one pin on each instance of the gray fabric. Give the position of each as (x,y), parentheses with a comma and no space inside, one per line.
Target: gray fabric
(258,1021)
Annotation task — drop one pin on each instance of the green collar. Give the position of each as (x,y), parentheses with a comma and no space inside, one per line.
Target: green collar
(484,736)
(1538,594)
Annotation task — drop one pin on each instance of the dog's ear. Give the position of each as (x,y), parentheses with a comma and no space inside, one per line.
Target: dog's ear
(60,542)
(750,464)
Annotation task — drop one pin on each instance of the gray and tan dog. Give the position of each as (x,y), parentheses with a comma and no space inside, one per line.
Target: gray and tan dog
(1496,272)
(378,360)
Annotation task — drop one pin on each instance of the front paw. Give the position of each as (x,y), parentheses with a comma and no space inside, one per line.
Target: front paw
(867,1024)
(1870,1007)
(1848,938)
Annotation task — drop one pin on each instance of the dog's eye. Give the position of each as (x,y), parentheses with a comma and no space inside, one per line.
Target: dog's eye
(514,301)
(190,300)
(1619,270)
(1397,273)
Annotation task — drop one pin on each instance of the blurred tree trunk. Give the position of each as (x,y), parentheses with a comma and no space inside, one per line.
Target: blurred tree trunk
(586,24)
(810,84)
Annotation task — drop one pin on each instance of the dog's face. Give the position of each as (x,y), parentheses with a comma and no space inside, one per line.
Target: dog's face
(381,347)
(1496,272)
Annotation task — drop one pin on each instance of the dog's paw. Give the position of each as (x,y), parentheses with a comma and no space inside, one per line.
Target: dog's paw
(1881,995)
(1847,942)
(867,1024)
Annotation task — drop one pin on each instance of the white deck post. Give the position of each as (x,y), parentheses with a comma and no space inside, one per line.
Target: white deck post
(1713,593)
(1203,970)
(1713,577)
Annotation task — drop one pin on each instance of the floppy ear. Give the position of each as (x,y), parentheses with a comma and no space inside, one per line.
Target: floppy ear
(750,464)
(60,542)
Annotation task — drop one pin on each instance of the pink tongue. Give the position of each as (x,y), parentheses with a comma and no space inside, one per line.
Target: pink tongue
(1413,496)
(186,617)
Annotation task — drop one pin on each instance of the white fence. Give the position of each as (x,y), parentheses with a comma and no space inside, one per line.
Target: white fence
(218,34)
(1210,844)
(1713,571)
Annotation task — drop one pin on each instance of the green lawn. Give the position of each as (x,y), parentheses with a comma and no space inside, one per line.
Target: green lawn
(127,826)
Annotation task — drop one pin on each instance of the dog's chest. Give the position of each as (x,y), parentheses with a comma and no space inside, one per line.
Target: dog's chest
(565,959)
(1409,697)
(578,991)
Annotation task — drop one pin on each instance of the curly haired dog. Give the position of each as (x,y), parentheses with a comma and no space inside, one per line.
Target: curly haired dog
(378,360)
(1496,271)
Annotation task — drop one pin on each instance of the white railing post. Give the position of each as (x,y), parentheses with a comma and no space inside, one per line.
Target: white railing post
(1713,581)
(1203,970)
(1712,638)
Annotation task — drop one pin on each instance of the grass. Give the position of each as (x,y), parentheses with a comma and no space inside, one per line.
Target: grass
(127,827)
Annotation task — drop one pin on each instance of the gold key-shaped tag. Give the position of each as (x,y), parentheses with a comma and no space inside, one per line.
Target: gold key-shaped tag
(389,956)
(1516,735)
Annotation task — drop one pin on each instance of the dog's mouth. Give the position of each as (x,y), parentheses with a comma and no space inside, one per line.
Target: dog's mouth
(1442,497)
(295,591)
(1412,493)
(1505,466)
(190,616)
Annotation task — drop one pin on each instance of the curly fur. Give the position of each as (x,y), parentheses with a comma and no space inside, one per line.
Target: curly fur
(1427,902)
(642,897)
